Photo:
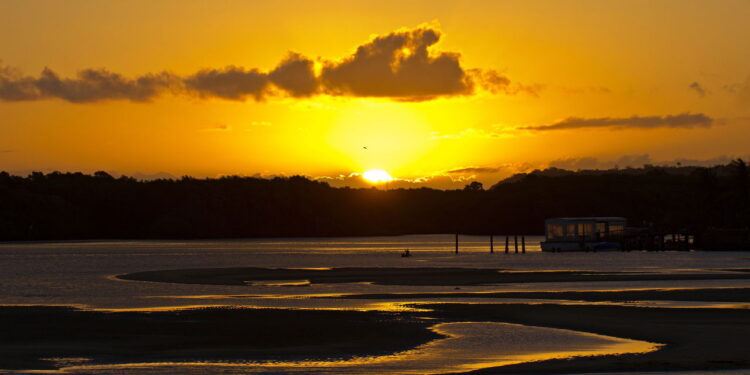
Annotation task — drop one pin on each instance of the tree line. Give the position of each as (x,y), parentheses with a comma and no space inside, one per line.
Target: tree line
(57,206)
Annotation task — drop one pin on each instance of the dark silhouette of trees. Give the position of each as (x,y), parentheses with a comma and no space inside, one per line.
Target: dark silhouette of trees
(474,186)
(78,206)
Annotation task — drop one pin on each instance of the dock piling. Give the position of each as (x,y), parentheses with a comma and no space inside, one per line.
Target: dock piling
(456,243)
(515,242)
(492,245)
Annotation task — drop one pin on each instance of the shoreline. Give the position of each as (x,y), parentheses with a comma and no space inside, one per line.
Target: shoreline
(423,276)
(33,333)
(694,339)
(723,294)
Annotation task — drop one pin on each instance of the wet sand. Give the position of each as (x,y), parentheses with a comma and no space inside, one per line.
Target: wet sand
(696,339)
(404,276)
(698,295)
(32,333)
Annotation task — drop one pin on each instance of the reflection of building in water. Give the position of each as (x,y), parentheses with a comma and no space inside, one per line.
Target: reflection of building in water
(584,233)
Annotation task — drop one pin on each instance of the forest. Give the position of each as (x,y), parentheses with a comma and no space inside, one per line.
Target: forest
(64,206)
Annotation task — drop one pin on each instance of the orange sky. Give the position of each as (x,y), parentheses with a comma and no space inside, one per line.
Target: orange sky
(439,92)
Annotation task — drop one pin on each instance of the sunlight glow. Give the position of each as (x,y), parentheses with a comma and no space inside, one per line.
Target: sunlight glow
(377,176)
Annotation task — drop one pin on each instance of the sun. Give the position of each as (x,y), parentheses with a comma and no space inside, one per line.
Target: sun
(377,176)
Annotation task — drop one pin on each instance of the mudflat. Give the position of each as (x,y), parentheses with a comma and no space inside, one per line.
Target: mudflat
(696,339)
(32,333)
(693,338)
(688,294)
(404,276)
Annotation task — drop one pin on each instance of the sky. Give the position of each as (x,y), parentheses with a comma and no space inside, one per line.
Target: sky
(435,93)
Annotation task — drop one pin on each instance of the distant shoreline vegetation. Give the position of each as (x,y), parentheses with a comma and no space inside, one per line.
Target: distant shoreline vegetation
(64,206)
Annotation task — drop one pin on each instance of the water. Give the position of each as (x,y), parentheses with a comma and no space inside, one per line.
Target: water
(468,346)
(83,274)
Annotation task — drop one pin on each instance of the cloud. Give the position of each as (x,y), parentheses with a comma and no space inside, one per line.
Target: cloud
(695,86)
(473,170)
(438,181)
(296,75)
(398,65)
(497,131)
(15,87)
(233,83)
(91,85)
(575,164)
(403,65)
(683,120)
(741,90)
(634,161)
(454,178)
(493,82)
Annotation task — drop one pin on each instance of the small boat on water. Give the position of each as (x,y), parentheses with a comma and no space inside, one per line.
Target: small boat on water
(584,234)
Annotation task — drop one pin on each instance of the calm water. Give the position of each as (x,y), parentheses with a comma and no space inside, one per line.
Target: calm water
(468,346)
(82,273)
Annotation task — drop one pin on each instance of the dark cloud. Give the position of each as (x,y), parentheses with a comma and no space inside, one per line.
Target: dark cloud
(634,161)
(231,83)
(741,90)
(683,120)
(698,88)
(90,85)
(402,65)
(398,65)
(93,85)
(497,83)
(15,87)
(492,81)
(575,164)
(473,170)
(296,75)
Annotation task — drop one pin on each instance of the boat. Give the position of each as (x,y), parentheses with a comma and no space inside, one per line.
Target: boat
(584,234)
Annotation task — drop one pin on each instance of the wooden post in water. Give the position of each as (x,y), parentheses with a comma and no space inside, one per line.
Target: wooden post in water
(492,245)
(515,242)
(506,244)
(456,243)
(523,244)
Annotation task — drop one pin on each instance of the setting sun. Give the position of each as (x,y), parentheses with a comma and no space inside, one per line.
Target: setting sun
(377,176)
(199,150)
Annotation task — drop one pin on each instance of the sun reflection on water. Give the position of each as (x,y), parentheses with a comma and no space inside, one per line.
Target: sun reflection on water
(467,346)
